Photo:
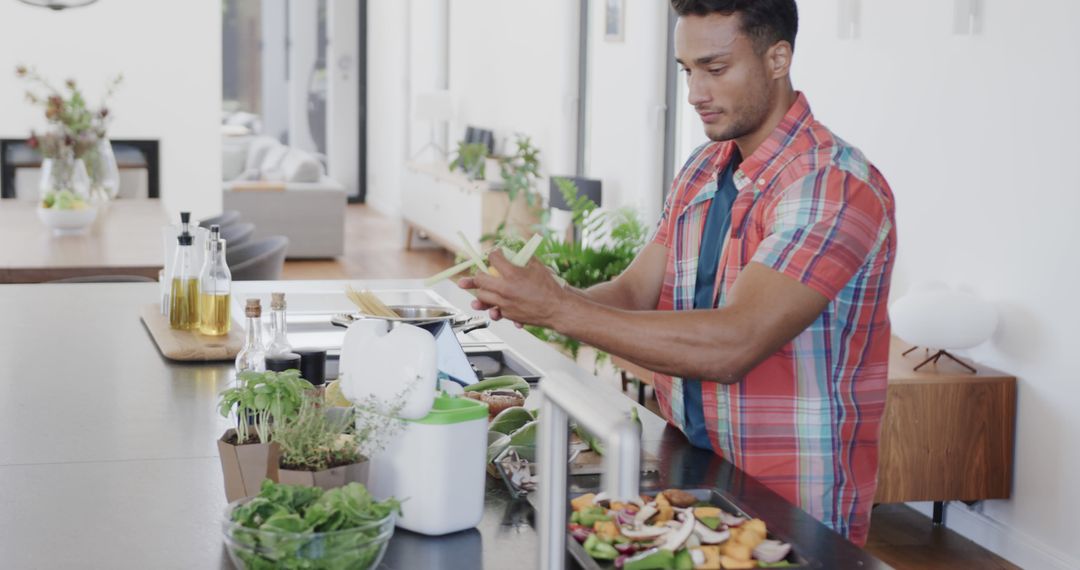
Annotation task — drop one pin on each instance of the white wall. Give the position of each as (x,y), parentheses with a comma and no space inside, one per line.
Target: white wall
(428,71)
(343,94)
(513,68)
(388,103)
(976,135)
(625,113)
(170,55)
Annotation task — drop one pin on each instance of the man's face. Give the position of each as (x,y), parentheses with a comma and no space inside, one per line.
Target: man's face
(727,81)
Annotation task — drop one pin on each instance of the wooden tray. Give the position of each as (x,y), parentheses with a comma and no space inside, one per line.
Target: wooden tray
(189,346)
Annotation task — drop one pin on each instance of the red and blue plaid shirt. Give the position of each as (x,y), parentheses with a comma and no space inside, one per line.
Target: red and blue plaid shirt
(805,422)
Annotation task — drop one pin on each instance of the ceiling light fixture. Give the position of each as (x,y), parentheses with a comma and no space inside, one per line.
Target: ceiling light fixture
(58,5)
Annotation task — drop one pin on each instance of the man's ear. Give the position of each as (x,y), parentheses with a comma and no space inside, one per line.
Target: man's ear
(778,60)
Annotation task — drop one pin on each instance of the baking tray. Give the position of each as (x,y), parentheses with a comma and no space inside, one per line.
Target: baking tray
(714,497)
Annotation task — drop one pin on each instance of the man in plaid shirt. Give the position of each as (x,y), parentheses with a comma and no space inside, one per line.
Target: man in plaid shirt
(761,299)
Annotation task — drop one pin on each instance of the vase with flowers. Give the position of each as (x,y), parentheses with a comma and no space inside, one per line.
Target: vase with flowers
(79,170)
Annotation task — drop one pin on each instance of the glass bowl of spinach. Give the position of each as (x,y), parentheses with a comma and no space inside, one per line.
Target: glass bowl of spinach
(293,526)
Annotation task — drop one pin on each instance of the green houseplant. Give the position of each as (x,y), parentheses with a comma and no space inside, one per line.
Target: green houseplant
(609,242)
(470,159)
(258,400)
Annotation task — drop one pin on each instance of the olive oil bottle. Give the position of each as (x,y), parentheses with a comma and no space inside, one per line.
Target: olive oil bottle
(215,285)
(184,293)
(183,304)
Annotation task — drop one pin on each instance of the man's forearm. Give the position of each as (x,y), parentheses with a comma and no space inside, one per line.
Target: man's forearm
(679,343)
(608,294)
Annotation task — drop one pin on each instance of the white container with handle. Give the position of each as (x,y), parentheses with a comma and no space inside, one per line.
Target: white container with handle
(436,464)
(436,467)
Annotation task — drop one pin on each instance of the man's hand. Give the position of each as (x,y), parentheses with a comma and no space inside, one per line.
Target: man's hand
(526,295)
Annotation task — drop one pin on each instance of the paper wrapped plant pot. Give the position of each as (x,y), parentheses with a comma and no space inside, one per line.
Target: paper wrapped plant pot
(243,466)
(325,478)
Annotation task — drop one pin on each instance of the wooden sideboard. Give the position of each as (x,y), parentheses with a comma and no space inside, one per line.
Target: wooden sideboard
(947,434)
(441,202)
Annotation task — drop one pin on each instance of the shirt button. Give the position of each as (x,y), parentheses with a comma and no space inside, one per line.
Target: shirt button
(761,182)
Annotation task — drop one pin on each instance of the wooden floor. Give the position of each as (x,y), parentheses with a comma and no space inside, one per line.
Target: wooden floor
(374,249)
(905,539)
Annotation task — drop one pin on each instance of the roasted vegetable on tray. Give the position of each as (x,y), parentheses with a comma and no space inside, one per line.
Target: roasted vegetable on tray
(673,531)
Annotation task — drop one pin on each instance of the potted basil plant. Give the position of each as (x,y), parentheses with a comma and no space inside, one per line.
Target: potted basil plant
(258,400)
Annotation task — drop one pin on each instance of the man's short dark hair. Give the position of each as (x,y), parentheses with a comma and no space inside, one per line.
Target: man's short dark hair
(765,21)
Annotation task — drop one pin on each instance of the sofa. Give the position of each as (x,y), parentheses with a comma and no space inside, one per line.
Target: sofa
(284,191)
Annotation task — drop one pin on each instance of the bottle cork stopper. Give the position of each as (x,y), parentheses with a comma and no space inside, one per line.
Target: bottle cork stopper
(253,308)
(277,301)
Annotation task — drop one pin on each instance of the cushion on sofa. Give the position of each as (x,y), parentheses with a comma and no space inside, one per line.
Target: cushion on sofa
(299,166)
(234,151)
(270,168)
(257,152)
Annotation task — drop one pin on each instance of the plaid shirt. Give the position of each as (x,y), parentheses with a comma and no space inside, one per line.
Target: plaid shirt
(805,422)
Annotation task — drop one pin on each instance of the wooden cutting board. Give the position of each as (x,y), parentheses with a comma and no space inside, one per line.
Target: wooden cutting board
(189,346)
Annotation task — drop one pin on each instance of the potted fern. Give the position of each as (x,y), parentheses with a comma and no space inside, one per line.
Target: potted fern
(257,401)
(329,447)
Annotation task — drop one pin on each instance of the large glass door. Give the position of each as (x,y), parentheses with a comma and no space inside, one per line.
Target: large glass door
(293,71)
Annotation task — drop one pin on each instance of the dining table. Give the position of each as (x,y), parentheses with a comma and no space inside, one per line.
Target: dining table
(124,239)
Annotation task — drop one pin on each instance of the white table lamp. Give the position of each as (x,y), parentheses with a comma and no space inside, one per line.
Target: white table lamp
(935,316)
(437,108)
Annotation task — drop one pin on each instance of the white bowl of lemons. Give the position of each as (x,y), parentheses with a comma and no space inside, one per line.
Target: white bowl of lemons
(66,213)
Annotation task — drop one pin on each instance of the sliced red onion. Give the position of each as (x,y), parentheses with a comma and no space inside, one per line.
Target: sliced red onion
(621,560)
(580,534)
(771,551)
(625,547)
(624,518)
(677,538)
(645,514)
(708,535)
(644,533)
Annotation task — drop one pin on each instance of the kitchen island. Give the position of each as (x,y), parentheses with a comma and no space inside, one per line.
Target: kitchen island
(108,455)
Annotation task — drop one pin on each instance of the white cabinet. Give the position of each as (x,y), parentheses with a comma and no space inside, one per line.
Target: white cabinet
(441,203)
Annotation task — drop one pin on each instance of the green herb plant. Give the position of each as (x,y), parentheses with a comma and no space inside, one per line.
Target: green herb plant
(520,172)
(313,440)
(470,159)
(260,398)
(276,529)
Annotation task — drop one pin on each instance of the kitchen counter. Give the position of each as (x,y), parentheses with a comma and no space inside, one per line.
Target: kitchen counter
(108,456)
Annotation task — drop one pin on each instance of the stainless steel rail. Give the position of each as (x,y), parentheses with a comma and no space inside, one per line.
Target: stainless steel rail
(605,415)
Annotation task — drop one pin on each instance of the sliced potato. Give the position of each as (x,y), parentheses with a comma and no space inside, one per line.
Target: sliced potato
(737,552)
(712,558)
(583,502)
(729,563)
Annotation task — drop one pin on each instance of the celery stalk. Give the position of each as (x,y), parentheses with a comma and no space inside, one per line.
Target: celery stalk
(448,273)
(479,261)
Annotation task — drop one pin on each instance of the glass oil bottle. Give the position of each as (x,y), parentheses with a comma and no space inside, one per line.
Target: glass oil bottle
(215,287)
(253,355)
(279,340)
(184,282)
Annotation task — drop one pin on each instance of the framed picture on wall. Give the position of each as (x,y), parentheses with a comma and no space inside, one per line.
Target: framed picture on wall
(614,20)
